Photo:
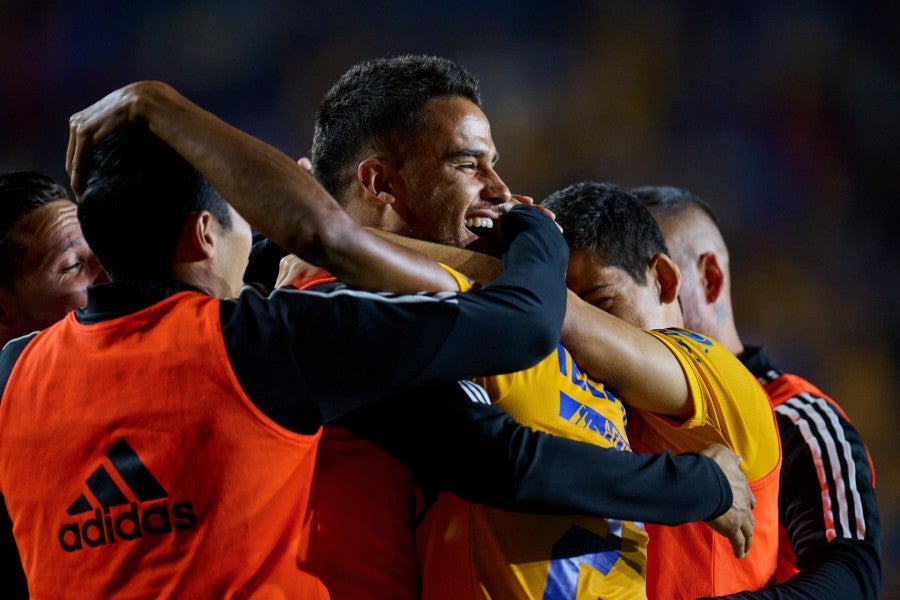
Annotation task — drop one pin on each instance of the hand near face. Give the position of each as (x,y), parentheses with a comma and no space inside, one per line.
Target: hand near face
(737,523)
(493,236)
(520,199)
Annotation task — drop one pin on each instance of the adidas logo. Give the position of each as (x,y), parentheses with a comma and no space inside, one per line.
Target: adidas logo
(119,517)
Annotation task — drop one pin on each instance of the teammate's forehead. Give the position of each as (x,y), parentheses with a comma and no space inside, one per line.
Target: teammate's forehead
(458,114)
(46,220)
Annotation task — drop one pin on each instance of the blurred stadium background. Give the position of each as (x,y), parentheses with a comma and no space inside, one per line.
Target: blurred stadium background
(786,116)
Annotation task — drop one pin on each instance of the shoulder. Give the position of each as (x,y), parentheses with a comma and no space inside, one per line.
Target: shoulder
(9,355)
(711,365)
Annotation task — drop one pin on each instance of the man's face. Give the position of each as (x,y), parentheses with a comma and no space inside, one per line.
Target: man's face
(448,175)
(57,268)
(613,290)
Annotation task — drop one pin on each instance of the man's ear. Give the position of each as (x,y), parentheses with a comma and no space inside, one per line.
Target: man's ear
(378,179)
(712,278)
(667,276)
(198,240)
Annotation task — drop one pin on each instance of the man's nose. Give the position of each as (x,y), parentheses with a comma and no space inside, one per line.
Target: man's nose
(495,189)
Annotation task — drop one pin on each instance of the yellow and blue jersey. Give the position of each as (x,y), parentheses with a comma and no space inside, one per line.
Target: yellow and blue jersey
(472,551)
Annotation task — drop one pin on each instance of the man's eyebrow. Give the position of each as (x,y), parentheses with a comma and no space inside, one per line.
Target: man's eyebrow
(52,257)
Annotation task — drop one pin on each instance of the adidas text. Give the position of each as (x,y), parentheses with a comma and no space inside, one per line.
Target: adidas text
(109,527)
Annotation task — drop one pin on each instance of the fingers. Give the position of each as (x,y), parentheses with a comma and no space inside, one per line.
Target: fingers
(737,524)
(304,162)
(747,530)
(292,268)
(288,269)
(73,155)
(742,538)
(520,199)
(731,526)
(737,544)
(550,214)
(84,128)
(70,148)
(94,123)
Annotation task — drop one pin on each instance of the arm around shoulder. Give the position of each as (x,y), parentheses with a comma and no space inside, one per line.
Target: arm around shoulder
(480,453)
(270,190)
(629,360)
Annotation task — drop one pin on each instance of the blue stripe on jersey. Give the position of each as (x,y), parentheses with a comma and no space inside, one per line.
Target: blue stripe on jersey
(585,416)
(580,546)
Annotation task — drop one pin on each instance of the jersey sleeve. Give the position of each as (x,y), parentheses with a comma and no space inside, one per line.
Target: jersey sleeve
(525,305)
(730,406)
(344,349)
(827,506)
(458,442)
(827,500)
(464,282)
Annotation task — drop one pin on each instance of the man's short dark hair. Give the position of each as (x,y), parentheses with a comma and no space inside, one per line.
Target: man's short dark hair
(670,200)
(374,107)
(612,224)
(20,193)
(137,198)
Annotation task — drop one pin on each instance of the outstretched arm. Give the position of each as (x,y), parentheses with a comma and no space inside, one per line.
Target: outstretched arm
(479,452)
(272,192)
(637,365)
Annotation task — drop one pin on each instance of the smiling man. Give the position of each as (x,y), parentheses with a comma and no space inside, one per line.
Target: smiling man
(426,177)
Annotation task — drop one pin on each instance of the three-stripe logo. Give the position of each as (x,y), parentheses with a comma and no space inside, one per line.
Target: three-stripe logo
(119,516)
